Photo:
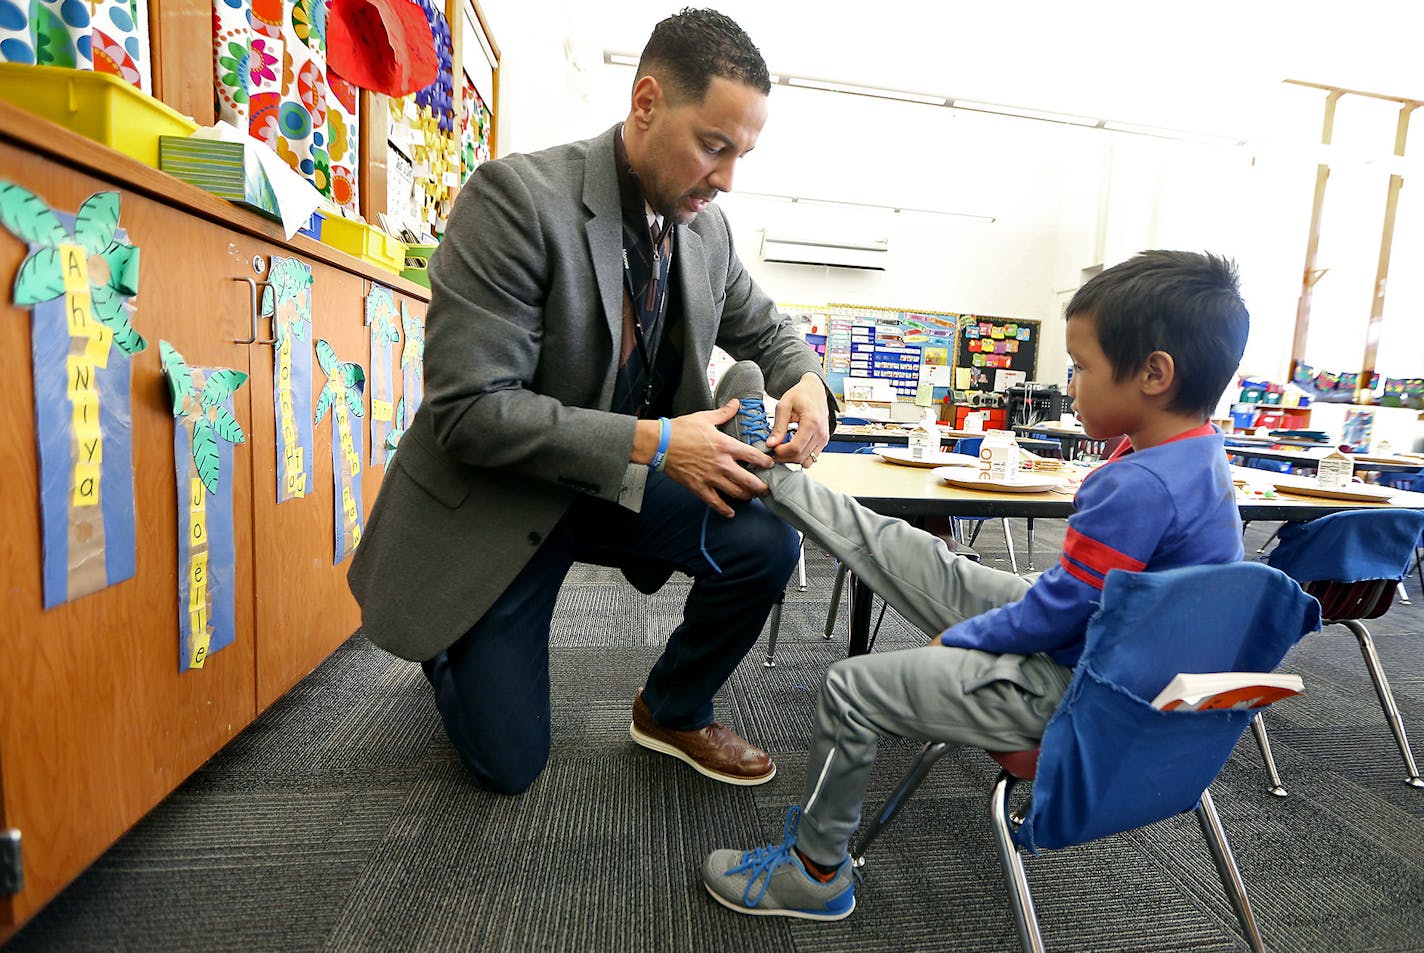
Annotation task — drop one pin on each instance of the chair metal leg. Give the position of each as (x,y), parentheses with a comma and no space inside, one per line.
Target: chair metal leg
(1258,726)
(1226,867)
(775,628)
(1020,899)
(1009,542)
(801,565)
(836,588)
(1386,697)
(928,756)
(1029,522)
(1403,594)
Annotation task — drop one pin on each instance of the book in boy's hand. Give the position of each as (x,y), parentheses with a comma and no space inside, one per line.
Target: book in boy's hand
(1200,691)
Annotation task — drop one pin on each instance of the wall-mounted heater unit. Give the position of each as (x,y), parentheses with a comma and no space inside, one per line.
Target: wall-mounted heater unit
(837,253)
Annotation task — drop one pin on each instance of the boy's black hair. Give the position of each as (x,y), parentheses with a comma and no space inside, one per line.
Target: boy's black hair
(691,47)
(1187,304)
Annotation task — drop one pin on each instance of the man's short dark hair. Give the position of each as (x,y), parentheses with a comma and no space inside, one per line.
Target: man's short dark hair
(1187,304)
(691,47)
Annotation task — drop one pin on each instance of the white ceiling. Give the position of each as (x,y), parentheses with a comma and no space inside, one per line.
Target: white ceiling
(1207,66)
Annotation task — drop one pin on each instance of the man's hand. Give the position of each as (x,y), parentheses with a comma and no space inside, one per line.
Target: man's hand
(805,406)
(709,463)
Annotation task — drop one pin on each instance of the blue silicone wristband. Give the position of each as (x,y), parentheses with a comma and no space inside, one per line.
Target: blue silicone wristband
(664,436)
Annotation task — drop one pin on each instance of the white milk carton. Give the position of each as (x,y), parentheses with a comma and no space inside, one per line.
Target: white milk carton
(974,421)
(1335,469)
(999,456)
(924,439)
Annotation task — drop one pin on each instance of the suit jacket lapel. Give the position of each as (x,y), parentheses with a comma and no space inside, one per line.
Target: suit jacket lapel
(605,232)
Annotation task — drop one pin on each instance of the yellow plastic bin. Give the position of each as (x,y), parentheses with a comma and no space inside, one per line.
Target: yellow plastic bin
(97,105)
(364,241)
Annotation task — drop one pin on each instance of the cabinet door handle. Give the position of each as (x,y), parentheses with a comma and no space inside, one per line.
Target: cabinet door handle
(254,314)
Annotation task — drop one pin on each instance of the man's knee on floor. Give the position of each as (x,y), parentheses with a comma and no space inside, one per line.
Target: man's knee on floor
(513,776)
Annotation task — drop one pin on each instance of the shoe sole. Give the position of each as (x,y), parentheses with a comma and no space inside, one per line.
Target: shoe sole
(653,744)
(797,914)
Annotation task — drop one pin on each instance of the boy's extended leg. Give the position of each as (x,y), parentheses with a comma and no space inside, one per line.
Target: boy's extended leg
(912,570)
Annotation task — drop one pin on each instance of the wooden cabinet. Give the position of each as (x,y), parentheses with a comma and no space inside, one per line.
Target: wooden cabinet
(96,722)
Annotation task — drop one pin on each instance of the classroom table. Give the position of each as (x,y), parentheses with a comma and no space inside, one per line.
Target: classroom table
(1067,437)
(1278,440)
(892,435)
(1307,460)
(914,492)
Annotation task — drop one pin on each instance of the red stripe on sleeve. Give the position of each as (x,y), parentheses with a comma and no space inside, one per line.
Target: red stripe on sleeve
(1097,556)
(1079,573)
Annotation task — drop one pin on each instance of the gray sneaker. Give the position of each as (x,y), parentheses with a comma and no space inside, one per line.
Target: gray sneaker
(743,381)
(771,881)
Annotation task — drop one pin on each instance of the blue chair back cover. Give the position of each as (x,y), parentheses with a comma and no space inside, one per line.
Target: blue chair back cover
(969,445)
(1110,762)
(1350,546)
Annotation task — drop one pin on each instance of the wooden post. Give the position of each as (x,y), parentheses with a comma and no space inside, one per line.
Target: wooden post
(1364,394)
(1310,274)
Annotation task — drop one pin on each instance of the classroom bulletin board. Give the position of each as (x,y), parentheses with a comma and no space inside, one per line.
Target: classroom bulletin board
(988,345)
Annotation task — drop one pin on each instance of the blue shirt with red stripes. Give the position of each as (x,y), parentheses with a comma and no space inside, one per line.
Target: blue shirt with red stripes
(1165,507)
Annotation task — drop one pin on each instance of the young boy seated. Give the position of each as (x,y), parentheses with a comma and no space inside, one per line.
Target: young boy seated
(1154,342)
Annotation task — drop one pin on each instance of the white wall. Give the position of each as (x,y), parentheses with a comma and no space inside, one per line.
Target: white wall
(1064,198)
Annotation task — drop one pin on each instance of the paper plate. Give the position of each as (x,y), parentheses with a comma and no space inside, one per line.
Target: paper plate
(1355,492)
(901,456)
(968,478)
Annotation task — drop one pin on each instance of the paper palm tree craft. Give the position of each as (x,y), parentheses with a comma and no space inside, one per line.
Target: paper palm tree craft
(381,317)
(396,432)
(345,384)
(412,362)
(289,302)
(77,281)
(203,439)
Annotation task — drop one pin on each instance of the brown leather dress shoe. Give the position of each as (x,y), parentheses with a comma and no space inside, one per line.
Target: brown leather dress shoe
(716,751)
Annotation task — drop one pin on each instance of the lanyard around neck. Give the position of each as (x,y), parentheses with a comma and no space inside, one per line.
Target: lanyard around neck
(654,303)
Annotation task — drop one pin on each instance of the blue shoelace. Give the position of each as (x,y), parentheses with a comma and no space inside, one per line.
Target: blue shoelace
(763,862)
(752,415)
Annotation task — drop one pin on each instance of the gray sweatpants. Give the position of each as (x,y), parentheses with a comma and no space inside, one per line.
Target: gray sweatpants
(961,696)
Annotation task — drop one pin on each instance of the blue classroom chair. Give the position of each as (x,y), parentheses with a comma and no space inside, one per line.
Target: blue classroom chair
(1353,562)
(1109,762)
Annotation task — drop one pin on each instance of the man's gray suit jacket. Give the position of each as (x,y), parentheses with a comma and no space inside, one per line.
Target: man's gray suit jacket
(522,345)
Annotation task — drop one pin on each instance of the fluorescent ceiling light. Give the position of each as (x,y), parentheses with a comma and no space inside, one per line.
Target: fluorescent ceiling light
(1043,114)
(620,59)
(856,90)
(1161,133)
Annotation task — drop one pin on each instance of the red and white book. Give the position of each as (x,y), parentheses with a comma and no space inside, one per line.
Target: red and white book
(1200,691)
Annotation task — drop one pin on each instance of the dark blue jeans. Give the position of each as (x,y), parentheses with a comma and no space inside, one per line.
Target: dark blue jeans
(492,685)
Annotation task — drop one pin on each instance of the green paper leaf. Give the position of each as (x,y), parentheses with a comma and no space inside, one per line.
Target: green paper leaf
(180,379)
(221,385)
(353,376)
(28,218)
(205,453)
(96,221)
(39,278)
(269,303)
(123,268)
(326,357)
(113,312)
(227,426)
(354,403)
(324,401)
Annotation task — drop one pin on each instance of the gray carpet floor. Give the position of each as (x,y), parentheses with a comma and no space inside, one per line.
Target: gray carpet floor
(343,820)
